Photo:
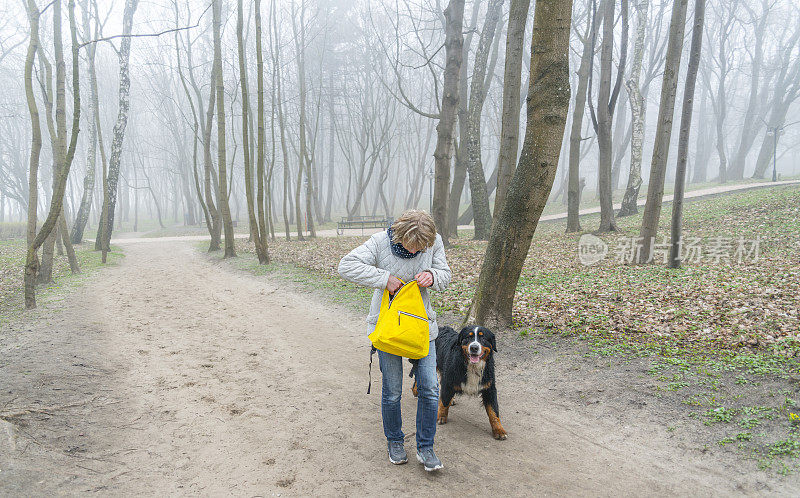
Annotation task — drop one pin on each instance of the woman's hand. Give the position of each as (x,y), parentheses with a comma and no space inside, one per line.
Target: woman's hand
(393,284)
(424,279)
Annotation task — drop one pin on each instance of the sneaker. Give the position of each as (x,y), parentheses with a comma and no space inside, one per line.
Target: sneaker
(428,459)
(397,453)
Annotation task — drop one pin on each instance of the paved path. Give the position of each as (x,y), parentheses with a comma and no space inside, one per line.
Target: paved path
(694,194)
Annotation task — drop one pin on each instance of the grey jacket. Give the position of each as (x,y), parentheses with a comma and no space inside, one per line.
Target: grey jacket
(371,263)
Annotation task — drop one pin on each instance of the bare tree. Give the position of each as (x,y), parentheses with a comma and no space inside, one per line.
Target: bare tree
(255,226)
(227,222)
(606,105)
(574,189)
(512,81)
(263,255)
(786,90)
(548,103)
(752,118)
(674,259)
(66,152)
(666,111)
(478,89)
(454,41)
(82,217)
(720,67)
(110,184)
(638,111)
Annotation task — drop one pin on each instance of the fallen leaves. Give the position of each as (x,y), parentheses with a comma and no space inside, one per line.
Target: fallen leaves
(733,304)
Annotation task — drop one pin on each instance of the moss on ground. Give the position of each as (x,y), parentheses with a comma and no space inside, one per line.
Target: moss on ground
(12,259)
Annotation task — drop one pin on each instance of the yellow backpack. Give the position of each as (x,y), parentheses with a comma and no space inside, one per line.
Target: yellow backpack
(402,327)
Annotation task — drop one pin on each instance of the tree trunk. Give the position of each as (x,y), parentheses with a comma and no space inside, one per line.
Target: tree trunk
(304,163)
(331,155)
(32,261)
(575,138)
(210,212)
(82,217)
(454,40)
(674,260)
(752,118)
(276,62)
(122,117)
(253,221)
(512,81)
(263,256)
(638,111)
(222,199)
(702,144)
(620,146)
(548,104)
(66,153)
(477,97)
(606,104)
(63,231)
(459,145)
(666,111)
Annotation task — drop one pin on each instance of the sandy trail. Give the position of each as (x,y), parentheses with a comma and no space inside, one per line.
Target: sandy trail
(173,374)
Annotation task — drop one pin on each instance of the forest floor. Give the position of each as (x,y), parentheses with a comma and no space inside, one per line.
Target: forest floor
(175,372)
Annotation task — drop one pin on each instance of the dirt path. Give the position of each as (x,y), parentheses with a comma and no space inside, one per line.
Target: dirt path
(171,374)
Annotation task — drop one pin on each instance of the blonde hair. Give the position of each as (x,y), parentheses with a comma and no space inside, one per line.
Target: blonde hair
(414,228)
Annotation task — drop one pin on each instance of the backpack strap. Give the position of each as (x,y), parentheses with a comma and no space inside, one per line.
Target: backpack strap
(414,365)
(371,352)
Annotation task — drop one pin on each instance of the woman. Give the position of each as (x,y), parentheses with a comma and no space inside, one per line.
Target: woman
(409,249)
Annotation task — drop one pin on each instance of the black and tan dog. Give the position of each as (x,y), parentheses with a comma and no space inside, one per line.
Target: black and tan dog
(465,362)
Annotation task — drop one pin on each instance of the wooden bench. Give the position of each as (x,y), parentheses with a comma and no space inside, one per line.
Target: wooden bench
(361,222)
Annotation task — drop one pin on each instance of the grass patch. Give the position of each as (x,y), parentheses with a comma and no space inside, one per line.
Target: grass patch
(12,259)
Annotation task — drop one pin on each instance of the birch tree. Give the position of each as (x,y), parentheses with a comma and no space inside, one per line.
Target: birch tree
(638,112)
(111,181)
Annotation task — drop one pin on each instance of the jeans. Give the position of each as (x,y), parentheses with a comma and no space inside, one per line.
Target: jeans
(427,402)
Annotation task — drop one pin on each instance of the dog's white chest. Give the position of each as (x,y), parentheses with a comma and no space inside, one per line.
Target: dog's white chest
(474,376)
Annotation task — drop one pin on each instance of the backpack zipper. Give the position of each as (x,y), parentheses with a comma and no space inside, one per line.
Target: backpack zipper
(411,315)
(391,299)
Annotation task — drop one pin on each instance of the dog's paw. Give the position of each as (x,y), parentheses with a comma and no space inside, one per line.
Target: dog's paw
(442,420)
(500,434)
(414,390)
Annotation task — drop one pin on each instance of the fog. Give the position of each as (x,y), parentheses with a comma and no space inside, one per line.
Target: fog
(355,88)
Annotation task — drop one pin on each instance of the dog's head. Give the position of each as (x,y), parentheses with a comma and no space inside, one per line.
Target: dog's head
(477,343)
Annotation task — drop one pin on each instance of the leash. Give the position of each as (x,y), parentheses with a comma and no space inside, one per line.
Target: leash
(371,352)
